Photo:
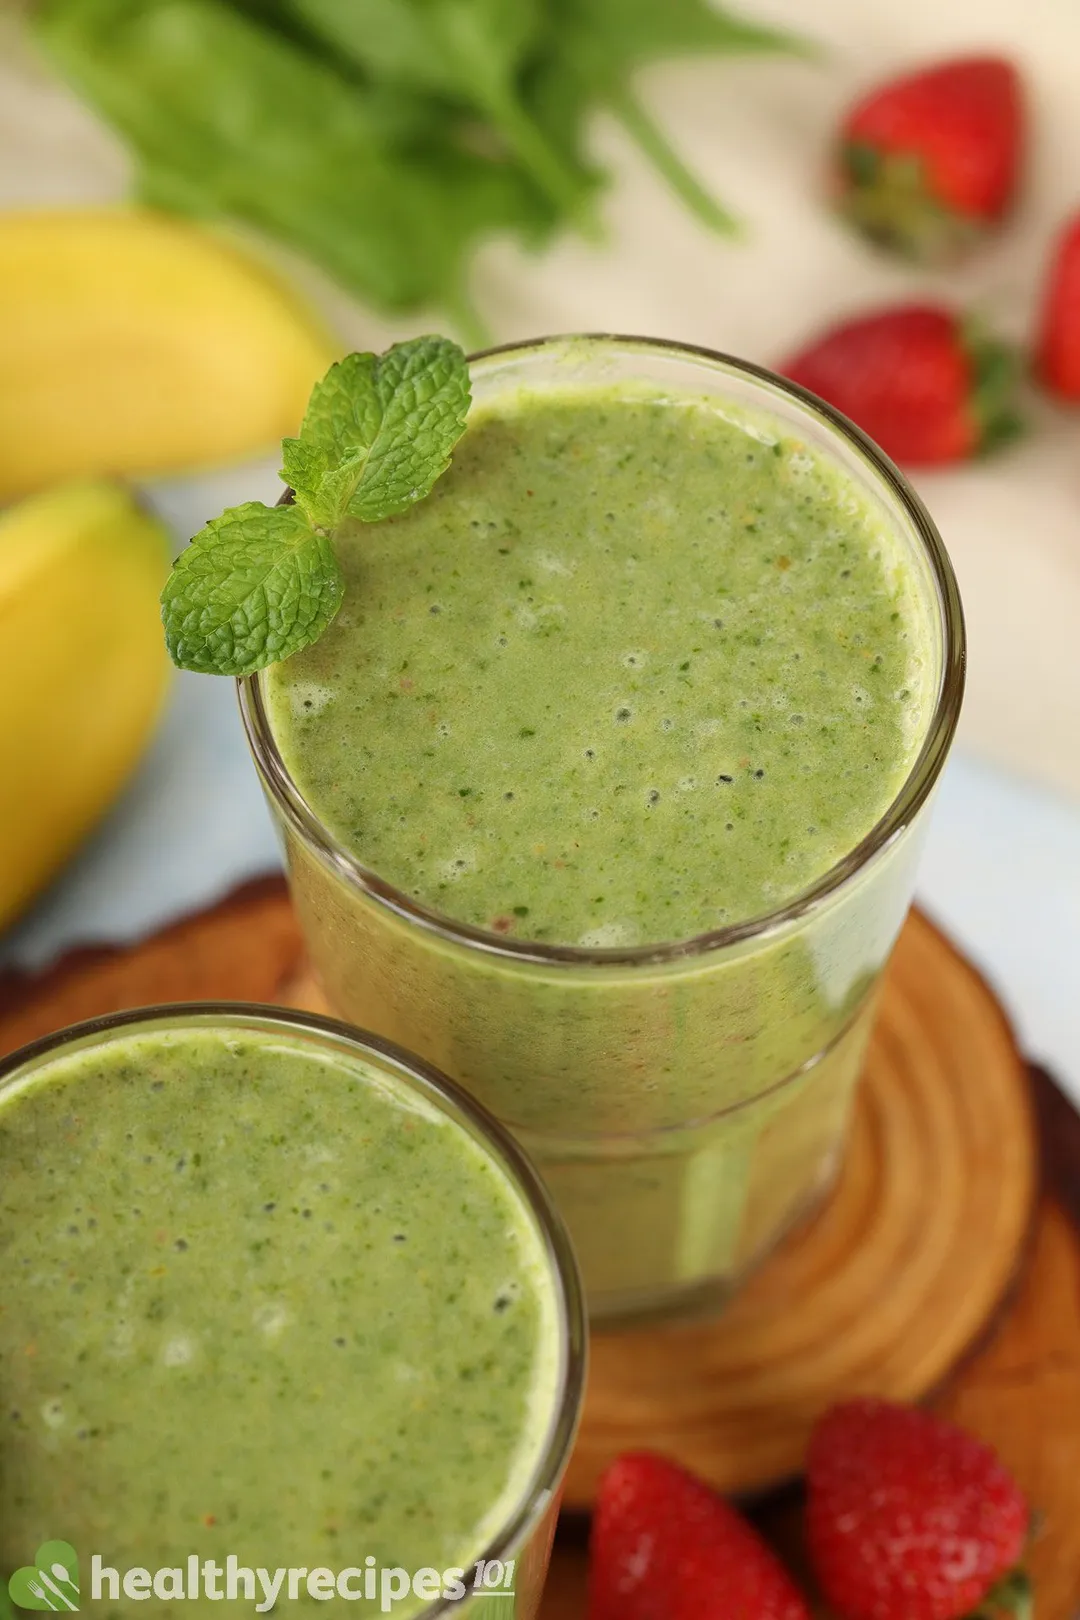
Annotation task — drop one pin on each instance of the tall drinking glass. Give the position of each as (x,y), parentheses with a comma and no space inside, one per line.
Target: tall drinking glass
(685,1102)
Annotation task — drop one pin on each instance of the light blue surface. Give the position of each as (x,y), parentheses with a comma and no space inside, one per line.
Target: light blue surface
(1001,874)
(1001,871)
(192,824)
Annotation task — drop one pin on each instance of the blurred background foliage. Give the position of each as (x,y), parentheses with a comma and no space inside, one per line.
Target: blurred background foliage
(385,138)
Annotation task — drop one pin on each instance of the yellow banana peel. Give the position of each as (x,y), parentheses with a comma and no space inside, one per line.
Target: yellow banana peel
(132,343)
(83,669)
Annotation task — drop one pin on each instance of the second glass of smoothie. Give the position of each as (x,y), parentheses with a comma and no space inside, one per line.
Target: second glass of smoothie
(604,790)
(277,1297)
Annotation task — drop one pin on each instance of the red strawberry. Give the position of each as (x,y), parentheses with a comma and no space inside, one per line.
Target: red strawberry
(929,161)
(1057,361)
(666,1547)
(909,1518)
(925,383)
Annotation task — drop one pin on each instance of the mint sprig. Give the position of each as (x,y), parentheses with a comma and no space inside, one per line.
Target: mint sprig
(260,582)
(254,586)
(378,431)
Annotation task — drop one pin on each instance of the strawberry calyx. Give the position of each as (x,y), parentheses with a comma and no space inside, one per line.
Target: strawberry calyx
(996,372)
(887,197)
(1011,1595)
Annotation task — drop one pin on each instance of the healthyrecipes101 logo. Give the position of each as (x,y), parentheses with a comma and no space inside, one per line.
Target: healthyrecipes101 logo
(52,1582)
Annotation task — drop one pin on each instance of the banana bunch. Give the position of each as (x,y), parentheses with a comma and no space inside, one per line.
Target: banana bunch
(130,344)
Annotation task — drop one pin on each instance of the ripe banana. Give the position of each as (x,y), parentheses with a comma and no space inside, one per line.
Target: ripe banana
(132,343)
(83,669)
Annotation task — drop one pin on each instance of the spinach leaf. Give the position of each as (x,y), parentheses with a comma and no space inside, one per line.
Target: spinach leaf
(228,118)
(384,138)
(467,51)
(629,33)
(594,47)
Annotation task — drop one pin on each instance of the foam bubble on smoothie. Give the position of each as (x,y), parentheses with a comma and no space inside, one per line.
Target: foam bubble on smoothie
(309,698)
(461,862)
(53,1414)
(608,936)
(271,1319)
(912,719)
(549,563)
(121,1340)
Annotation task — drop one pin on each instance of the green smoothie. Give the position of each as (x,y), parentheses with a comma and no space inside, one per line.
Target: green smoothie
(635,670)
(654,659)
(261,1298)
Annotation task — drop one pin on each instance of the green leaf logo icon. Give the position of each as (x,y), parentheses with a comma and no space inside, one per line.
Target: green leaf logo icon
(50,1582)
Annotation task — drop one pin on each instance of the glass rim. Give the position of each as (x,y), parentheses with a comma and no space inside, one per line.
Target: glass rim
(905,806)
(541,1488)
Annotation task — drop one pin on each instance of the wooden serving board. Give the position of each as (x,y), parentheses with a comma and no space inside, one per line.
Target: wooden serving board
(1020,1391)
(886,1289)
(945,1265)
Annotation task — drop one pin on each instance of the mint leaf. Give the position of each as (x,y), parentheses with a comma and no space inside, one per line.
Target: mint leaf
(253,587)
(340,425)
(424,393)
(378,431)
(260,582)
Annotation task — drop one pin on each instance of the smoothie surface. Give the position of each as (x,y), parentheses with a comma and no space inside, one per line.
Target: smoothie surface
(260,1301)
(637,669)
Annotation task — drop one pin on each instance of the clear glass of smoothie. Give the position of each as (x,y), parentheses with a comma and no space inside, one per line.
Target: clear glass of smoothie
(276,1298)
(605,790)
